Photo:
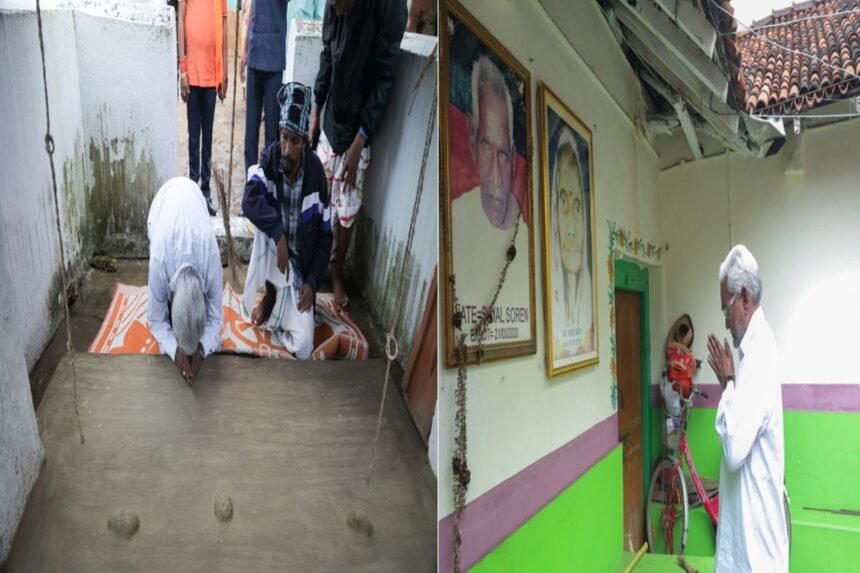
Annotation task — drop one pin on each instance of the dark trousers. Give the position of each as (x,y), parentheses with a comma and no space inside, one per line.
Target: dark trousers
(201,116)
(262,90)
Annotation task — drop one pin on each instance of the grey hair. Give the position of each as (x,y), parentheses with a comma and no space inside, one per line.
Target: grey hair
(739,270)
(486,74)
(188,310)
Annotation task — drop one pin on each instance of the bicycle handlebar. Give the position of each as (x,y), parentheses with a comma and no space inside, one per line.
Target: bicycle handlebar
(700,393)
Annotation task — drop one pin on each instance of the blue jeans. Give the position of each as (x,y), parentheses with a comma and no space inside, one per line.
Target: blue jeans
(262,90)
(201,117)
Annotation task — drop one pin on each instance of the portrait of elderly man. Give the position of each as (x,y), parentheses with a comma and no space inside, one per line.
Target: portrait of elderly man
(572,300)
(185,276)
(491,141)
(483,218)
(752,533)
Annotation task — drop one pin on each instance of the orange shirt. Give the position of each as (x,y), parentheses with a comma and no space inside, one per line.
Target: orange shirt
(203,37)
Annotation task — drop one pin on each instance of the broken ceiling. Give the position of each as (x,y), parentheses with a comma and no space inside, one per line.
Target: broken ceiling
(705,78)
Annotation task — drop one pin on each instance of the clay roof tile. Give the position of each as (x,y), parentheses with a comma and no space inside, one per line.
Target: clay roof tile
(780,78)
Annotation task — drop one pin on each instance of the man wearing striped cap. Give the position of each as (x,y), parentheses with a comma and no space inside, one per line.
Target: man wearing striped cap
(286,198)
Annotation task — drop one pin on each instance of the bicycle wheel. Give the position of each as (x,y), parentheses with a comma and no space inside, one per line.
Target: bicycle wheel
(667,510)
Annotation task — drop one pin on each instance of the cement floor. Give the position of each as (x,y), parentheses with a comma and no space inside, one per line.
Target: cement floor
(289,442)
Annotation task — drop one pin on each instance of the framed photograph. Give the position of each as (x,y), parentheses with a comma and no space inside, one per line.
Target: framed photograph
(486,204)
(570,278)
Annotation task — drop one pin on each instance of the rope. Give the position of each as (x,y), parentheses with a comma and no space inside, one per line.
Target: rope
(49,148)
(460,466)
(391,344)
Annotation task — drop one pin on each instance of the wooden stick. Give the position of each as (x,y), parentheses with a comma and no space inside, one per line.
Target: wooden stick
(636,558)
(687,567)
(232,257)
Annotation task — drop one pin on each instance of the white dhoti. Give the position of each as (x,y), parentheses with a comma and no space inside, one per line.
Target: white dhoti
(293,329)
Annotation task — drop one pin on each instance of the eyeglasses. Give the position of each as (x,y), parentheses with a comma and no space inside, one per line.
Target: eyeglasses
(728,308)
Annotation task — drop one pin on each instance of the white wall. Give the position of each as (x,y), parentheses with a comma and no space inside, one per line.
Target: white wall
(20,448)
(803,231)
(517,415)
(391,187)
(112,91)
(28,236)
(304,44)
(128,101)
(391,182)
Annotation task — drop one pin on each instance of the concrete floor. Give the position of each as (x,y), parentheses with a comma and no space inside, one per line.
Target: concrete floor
(293,490)
(289,442)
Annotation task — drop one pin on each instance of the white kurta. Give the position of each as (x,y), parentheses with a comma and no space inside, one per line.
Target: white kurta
(751,536)
(180,235)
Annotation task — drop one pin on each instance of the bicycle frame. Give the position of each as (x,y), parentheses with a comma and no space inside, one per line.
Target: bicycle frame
(711,504)
(683,453)
(670,493)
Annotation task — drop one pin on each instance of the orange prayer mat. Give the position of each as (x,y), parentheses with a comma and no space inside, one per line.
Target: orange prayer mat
(124,329)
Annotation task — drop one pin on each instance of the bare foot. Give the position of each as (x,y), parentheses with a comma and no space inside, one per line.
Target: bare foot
(263,310)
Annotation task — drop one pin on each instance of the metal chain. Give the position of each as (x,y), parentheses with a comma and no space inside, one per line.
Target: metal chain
(462,474)
(392,347)
(49,148)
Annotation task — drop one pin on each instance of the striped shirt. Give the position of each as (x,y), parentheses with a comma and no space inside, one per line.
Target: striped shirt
(291,208)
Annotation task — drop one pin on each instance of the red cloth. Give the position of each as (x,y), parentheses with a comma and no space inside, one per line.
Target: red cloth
(464,171)
(680,367)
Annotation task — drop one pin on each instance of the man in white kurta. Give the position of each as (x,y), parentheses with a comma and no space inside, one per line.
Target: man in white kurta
(752,534)
(180,235)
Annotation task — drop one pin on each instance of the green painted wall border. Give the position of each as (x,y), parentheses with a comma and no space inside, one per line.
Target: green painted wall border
(577,531)
(821,467)
(634,278)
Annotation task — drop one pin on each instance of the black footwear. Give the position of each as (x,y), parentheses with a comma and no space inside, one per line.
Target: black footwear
(212,210)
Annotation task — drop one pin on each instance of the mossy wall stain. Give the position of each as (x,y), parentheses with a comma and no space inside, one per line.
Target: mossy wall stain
(105,190)
(53,302)
(74,192)
(124,181)
(375,262)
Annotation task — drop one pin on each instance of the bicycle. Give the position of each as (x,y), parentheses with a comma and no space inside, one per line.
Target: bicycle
(668,504)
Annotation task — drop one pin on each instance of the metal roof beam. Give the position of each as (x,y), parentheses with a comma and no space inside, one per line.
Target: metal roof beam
(670,44)
(688,128)
(692,22)
(724,123)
